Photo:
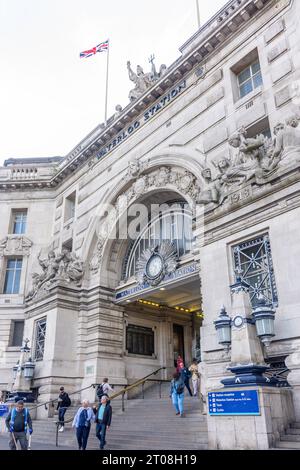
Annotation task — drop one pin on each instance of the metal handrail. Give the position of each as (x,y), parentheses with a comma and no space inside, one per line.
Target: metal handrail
(122,392)
(56,399)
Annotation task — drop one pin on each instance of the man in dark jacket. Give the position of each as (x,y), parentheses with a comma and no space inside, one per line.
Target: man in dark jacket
(63,403)
(185,376)
(18,422)
(103,419)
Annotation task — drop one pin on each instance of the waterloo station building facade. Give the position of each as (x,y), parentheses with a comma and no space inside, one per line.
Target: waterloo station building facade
(217,131)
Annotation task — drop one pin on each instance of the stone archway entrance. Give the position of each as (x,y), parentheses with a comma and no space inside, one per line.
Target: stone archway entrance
(153,285)
(157,284)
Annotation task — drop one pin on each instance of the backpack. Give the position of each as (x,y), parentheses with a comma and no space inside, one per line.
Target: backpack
(100,391)
(179,387)
(68,401)
(13,417)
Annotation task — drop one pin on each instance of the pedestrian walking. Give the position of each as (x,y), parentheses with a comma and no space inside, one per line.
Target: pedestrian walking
(195,376)
(177,393)
(179,363)
(18,422)
(82,422)
(64,402)
(103,389)
(4,410)
(103,415)
(186,375)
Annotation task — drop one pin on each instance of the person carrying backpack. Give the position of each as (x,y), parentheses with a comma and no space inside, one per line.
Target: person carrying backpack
(103,389)
(177,393)
(64,402)
(185,376)
(18,422)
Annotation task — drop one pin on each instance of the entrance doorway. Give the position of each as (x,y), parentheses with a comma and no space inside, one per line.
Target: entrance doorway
(178,342)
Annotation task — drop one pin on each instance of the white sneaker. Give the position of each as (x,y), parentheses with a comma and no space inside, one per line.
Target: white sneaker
(61,429)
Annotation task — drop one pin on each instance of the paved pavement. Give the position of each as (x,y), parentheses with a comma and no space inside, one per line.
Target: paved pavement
(34,445)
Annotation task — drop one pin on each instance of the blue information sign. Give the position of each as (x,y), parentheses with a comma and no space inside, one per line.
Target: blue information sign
(233,403)
(3,410)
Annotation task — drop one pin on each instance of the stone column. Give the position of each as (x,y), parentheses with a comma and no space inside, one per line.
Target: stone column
(59,365)
(293,363)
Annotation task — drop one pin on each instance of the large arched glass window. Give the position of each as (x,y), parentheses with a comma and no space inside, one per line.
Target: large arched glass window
(173,224)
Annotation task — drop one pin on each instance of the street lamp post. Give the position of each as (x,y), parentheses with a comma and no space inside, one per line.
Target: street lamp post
(23,373)
(245,332)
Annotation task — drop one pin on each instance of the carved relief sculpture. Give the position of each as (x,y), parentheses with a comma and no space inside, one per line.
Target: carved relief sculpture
(15,245)
(211,192)
(65,266)
(97,256)
(287,142)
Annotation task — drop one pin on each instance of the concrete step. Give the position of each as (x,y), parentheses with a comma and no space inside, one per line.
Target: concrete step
(295,425)
(288,445)
(146,424)
(136,438)
(290,437)
(294,431)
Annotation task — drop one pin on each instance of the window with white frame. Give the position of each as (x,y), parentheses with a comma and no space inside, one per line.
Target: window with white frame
(40,337)
(249,79)
(19,221)
(253,260)
(12,276)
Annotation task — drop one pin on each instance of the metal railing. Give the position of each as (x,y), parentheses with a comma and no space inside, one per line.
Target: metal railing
(54,400)
(127,388)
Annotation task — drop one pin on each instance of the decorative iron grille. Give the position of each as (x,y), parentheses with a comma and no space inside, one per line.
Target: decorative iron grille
(173,225)
(40,339)
(253,259)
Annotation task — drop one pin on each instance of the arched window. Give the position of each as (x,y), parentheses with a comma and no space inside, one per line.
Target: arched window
(172,224)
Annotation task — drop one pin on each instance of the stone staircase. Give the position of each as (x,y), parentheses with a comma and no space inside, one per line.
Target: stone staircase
(291,439)
(146,424)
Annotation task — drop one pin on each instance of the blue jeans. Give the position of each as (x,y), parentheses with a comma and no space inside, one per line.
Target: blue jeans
(178,402)
(100,433)
(61,413)
(82,434)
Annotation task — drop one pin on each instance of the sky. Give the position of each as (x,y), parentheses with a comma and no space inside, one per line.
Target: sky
(50,99)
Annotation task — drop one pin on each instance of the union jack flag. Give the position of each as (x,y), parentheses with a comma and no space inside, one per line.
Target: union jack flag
(103,46)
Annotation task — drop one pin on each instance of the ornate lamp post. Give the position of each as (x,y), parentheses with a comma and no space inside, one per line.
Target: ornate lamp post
(23,373)
(264,317)
(247,359)
(223,327)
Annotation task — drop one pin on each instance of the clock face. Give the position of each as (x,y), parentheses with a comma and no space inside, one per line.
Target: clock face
(238,321)
(154,266)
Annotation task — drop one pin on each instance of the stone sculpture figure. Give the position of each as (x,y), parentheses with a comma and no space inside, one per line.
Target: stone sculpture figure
(248,161)
(142,81)
(287,142)
(212,189)
(74,269)
(134,169)
(34,287)
(50,267)
(65,266)
(118,111)
(158,75)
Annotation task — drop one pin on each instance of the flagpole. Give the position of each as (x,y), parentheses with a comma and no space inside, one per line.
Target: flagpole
(198,14)
(106,88)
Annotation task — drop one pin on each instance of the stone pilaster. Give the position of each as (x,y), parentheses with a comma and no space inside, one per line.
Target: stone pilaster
(293,363)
